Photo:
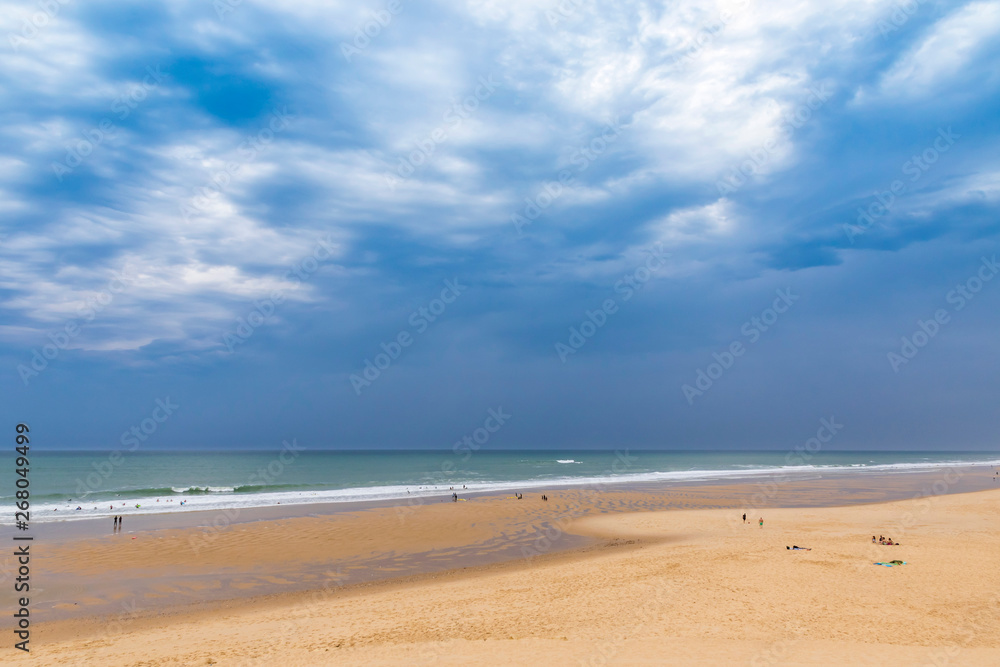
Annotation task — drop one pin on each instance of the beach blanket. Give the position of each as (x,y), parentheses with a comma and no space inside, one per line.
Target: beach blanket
(893,562)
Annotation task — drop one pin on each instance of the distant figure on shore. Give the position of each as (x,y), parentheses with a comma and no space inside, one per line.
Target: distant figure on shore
(873,539)
(762,522)
(114,524)
(744,517)
(454,497)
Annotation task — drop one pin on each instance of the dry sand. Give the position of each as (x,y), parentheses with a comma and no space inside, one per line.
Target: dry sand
(690,586)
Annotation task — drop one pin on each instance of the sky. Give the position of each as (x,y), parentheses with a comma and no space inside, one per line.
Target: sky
(692,225)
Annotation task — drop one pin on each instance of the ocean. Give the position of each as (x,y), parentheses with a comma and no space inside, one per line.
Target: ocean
(102,484)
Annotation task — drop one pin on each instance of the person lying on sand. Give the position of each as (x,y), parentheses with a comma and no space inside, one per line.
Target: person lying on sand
(796,548)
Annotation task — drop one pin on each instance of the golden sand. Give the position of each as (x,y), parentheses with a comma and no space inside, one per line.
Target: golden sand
(689,586)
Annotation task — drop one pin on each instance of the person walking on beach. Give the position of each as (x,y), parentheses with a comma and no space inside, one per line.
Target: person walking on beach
(744,517)
(762,522)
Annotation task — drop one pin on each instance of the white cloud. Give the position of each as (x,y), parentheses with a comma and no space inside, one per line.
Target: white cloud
(696,223)
(981,187)
(943,54)
(698,87)
(190,274)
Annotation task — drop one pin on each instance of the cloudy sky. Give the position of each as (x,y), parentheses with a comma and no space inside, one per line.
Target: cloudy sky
(365,224)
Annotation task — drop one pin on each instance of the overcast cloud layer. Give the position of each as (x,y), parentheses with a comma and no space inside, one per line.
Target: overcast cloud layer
(245,207)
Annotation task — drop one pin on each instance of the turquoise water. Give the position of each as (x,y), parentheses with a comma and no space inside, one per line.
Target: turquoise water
(101,483)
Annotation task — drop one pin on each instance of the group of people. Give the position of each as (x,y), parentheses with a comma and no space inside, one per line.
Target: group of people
(519,496)
(117,524)
(760,520)
(885,540)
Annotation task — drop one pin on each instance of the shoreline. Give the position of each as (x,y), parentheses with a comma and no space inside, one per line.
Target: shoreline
(60,529)
(46,514)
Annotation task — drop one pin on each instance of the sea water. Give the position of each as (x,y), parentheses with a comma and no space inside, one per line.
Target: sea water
(106,483)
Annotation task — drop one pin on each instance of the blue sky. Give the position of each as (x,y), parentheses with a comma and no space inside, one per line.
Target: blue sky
(702,225)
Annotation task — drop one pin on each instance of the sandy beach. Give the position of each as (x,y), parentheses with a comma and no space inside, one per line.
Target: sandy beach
(500,333)
(671,576)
